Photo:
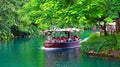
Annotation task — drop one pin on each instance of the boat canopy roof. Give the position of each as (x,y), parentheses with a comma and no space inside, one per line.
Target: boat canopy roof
(63,30)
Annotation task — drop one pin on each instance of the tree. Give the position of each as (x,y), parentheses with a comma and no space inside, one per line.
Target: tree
(100,11)
(48,13)
(9,16)
(42,14)
(118,22)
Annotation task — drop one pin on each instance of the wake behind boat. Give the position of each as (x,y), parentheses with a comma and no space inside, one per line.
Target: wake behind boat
(66,41)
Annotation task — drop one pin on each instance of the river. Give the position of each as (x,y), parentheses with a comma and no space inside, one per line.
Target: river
(27,52)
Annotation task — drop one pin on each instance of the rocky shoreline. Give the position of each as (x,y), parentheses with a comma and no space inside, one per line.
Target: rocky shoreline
(111,53)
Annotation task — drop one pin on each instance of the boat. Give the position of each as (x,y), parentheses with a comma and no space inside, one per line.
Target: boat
(67,41)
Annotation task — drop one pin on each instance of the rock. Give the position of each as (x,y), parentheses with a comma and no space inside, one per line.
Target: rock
(114,53)
(91,53)
(103,53)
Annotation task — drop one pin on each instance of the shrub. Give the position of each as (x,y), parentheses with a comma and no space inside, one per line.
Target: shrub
(98,44)
(118,40)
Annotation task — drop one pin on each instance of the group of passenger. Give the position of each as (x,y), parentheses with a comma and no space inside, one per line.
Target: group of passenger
(62,39)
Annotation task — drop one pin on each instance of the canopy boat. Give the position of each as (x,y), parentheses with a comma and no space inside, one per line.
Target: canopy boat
(67,41)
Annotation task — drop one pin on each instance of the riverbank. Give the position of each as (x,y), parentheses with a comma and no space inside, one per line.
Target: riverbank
(111,53)
(15,37)
(106,46)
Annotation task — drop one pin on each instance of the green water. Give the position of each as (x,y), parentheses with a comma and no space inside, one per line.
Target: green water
(26,52)
(85,34)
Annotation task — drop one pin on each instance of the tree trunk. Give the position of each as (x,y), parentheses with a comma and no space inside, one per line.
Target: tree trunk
(119,14)
(117,25)
(104,28)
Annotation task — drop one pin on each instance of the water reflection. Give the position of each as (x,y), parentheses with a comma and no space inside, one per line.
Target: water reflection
(25,52)
(22,52)
(61,58)
(74,58)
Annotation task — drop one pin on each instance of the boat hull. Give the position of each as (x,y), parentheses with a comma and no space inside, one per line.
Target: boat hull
(61,45)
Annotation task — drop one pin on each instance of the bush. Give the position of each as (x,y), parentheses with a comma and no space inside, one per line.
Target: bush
(17,32)
(98,44)
(118,40)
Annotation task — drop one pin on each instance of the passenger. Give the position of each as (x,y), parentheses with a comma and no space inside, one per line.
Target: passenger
(53,40)
(58,39)
(46,41)
(69,40)
(64,40)
(73,38)
(61,40)
(76,39)
(49,38)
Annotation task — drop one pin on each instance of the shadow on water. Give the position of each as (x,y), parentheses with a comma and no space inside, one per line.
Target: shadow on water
(72,57)
(61,57)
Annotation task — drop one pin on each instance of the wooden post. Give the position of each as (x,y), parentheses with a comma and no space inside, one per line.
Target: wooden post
(69,35)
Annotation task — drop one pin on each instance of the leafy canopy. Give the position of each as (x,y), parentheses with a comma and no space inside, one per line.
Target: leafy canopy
(43,14)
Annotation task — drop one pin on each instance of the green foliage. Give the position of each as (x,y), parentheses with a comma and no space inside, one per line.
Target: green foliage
(65,13)
(118,40)
(9,16)
(17,32)
(98,44)
(37,15)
